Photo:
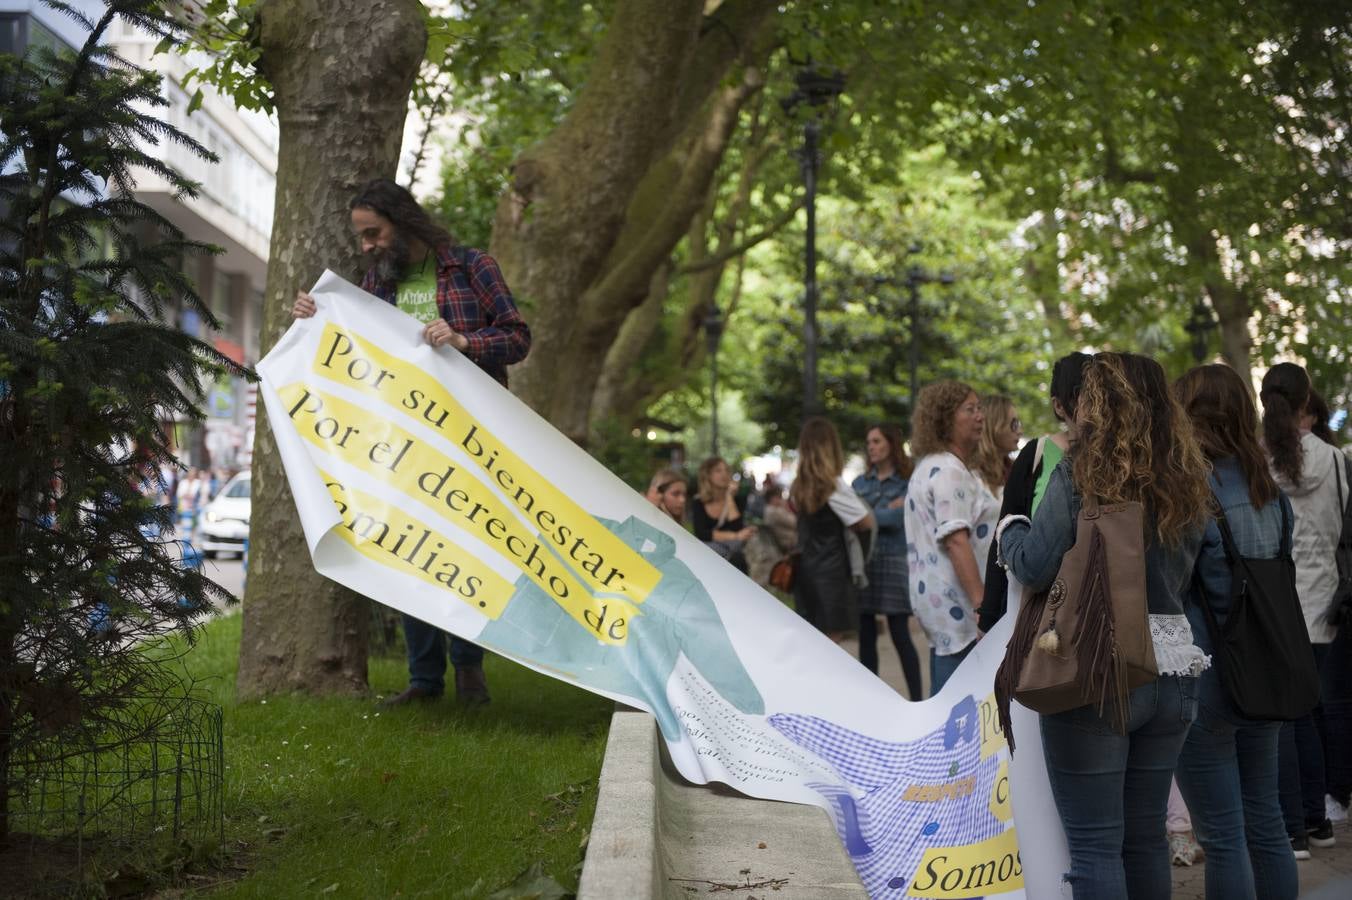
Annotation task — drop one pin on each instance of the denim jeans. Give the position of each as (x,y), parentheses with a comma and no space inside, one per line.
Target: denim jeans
(1301,757)
(1112,789)
(943,667)
(427,655)
(1228,775)
(1334,717)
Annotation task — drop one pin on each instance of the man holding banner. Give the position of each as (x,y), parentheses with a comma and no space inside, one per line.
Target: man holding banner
(462,299)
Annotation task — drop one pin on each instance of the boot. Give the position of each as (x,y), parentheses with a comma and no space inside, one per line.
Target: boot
(409,695)
(471,687)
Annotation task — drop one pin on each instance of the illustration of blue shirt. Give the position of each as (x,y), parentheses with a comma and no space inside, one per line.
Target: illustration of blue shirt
(885,833)
(679,617)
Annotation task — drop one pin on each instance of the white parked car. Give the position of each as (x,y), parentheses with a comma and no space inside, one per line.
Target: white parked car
(224,525)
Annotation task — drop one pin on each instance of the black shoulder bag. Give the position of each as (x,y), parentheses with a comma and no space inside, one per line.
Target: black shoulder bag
(1263,650)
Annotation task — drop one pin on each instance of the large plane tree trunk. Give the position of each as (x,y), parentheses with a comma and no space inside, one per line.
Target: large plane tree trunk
(596,208)
(342,71)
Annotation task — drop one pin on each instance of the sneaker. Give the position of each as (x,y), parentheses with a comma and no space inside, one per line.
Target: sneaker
(1334,811)
(1183,848)
(1322,834)
(1300,847)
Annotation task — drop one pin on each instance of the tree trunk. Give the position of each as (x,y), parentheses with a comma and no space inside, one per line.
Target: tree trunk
(342,71)
(578,248)
(1232,304)
(654,350)
(1233,308)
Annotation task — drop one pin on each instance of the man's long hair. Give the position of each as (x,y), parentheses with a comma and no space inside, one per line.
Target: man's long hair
(384,197)
(1136,443)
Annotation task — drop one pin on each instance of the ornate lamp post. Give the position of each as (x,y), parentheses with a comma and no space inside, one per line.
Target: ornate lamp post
(916,276)
(1199,325)
(816,88)
(713,334)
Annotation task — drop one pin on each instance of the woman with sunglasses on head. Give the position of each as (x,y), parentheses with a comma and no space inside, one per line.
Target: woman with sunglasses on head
(1000,437)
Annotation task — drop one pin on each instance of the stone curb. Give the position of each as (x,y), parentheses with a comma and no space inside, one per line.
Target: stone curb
(655,835)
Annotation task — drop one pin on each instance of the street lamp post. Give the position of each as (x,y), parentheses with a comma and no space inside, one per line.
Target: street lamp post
(816,88)
(1198,326)
(916,276)
(713,334)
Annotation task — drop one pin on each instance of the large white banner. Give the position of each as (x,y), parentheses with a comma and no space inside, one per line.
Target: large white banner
(423,484)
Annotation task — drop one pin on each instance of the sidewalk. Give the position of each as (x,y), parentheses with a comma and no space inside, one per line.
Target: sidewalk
(1327,875)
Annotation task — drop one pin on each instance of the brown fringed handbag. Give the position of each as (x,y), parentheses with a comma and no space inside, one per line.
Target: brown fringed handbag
(1086,639)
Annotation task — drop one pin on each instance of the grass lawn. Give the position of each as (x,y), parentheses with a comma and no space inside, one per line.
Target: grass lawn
(336,798)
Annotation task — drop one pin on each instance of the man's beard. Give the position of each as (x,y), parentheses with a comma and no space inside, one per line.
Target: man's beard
(391,263)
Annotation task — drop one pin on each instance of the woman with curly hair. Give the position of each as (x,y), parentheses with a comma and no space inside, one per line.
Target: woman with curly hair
(1307,471)
(950,521)
(1228,769)
(999,438)
(823,590)
(1112,788)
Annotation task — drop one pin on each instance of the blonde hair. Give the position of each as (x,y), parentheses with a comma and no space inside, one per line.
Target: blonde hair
(663,479)
(707,493)
(820,462)
(932,421)
(989,462)
(1137,444)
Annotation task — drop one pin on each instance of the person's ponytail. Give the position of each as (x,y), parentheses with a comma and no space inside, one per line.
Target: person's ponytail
(1285,393)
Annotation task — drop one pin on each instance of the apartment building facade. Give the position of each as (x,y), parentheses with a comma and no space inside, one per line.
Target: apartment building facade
(233,211)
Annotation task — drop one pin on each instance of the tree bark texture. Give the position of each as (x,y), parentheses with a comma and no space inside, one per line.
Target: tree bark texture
(596,208)
(1232,304)
(651,353)
(342,71)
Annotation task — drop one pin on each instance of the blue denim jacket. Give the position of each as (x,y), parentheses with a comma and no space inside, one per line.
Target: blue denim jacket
(1257,533)
(1033,554)
(877,493)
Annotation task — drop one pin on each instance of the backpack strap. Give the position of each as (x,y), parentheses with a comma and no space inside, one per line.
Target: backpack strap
(1213,623)
(1338,474)
(1285,546)
(1228,539)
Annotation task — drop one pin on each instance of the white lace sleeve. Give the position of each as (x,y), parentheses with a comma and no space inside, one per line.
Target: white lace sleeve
(1175,652)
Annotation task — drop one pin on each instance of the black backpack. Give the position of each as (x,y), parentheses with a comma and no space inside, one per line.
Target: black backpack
(1263,651)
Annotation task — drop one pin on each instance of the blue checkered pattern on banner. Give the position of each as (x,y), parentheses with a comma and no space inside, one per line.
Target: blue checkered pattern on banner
(885,834)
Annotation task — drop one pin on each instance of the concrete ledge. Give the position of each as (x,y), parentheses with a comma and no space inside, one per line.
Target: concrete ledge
(655,835)
(622,859)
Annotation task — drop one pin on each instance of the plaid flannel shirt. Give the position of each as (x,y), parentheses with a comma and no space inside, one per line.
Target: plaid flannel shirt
(474,300)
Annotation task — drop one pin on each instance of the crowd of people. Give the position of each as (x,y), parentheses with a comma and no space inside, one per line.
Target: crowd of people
(935,534)
(938,532)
